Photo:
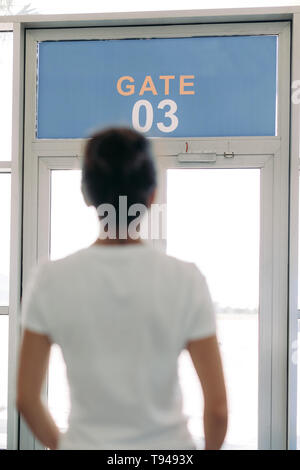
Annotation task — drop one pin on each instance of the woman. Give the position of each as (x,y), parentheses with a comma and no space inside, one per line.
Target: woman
(121,312)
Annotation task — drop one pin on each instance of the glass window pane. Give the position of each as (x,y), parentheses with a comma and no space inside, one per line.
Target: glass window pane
(213,220)
(6,55)
(5,196)
(73,226)
(58,389)
(3,379)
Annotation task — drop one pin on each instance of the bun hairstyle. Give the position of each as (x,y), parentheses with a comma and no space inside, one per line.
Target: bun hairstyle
(118,162)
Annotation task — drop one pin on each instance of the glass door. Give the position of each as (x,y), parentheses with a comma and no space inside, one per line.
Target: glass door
(215,218)
(214,221)
(71,226)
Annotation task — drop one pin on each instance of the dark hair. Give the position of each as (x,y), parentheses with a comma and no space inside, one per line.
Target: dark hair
(118,162)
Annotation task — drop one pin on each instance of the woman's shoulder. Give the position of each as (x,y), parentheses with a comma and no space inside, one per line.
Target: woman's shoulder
(47,269)
(186,270)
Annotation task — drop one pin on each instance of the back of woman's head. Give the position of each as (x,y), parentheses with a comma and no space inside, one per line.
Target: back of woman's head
(118,162)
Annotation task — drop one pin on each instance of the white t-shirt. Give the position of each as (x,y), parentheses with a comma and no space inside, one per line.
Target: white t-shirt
(121,315)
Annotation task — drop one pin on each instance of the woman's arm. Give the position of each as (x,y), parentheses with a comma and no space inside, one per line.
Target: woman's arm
(33,364)
(207,361)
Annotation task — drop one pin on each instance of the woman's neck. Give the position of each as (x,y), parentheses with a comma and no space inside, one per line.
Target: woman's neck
(117,241)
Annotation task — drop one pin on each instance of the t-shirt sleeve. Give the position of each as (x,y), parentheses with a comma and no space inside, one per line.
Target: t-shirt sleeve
(200,318)
(33,313)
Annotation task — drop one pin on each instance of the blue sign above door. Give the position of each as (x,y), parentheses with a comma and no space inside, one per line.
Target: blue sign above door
(177,87)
